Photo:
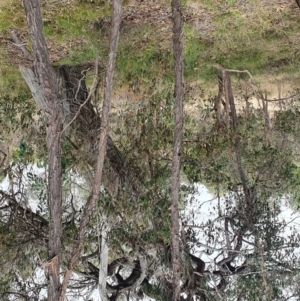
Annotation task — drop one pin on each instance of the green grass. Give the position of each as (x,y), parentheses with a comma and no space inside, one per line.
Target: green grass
(11,14)
(70,26)
(143,67)
(11,81)
(252,39)
(78,55)
(257,42)
(141,59)
(74,22)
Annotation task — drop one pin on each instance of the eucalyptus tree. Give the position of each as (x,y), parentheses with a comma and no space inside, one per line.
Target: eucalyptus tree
(242,247)
(42,81)
(49,102)
(178,134)
(229,151)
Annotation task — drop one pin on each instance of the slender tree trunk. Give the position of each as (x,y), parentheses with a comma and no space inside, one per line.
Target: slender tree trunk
(51,110)
(104,128)
(103,258)
(178,133)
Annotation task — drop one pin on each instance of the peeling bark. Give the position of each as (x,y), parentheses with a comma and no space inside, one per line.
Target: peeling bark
(34,87)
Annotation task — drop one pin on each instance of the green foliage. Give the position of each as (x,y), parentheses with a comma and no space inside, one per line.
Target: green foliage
(16,112)
(155,291)
(153,132)
(17,257)
(39,188)
(24,153)
(255,287)
(6,257)
(145,218)
(212,159)
(286,121)
(67,155)
(144,133)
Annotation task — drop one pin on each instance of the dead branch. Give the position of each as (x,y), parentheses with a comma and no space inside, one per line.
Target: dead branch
(18,43)
(253,86)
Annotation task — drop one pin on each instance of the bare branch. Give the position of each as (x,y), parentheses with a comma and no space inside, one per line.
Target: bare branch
(253,86)
(20,44)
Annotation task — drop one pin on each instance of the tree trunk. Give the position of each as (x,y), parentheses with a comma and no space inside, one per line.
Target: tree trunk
(104,129)
(73,91)
(178,133)
(47,91)
(105,228)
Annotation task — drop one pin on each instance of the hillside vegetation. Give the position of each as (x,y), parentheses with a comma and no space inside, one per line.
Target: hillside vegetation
(260,36)
(87,193)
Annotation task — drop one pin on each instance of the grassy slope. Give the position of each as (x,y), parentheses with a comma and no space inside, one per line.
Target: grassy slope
(254,35)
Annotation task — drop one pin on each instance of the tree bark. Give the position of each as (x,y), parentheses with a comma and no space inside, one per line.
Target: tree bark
(50,106)
(237,141)
(103,258)
(72,90)
(104,128)
(178,133)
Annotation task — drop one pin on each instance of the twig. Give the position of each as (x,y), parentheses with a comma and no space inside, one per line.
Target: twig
(221,68)
(4,157)
(209,224)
